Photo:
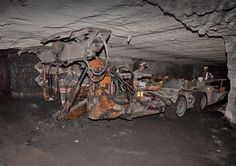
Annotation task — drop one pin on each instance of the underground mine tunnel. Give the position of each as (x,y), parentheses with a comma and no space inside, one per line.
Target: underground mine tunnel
(115,82)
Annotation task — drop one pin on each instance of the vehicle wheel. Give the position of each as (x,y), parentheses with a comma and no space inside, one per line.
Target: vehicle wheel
(181,106)
(200,101)
(178,109)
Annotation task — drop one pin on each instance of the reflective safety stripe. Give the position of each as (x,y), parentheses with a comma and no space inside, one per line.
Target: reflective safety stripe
(62,90)
(63,102)
(68,90)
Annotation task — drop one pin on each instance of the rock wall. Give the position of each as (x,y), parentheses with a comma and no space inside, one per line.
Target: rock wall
(206,17)
(22,75)
(230,42)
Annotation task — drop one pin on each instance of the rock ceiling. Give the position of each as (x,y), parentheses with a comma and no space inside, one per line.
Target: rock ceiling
(162,30)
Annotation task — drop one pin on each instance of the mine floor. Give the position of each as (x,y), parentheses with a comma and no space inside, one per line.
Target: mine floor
(30,137)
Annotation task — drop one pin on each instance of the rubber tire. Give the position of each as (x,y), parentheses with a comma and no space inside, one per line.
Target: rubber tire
(182,103)
(171,111)
(199,96)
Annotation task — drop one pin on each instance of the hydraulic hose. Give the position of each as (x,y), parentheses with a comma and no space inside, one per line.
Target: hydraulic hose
(106,61)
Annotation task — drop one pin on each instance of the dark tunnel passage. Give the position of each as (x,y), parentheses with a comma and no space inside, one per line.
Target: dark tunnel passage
(4,75)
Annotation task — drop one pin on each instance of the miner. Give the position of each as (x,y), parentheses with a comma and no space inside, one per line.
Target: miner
(206,74)
(140,75)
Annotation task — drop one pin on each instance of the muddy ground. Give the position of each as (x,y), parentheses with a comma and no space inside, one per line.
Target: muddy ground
(30,137)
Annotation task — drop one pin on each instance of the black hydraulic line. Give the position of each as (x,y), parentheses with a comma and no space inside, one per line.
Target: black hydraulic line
(127,70)
(100,78)
(117,100)
(123,82)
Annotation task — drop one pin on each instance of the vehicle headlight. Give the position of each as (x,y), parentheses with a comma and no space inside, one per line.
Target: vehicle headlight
(139,93)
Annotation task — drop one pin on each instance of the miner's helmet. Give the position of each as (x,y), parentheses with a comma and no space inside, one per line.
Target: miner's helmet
(205,67)
(143,64)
